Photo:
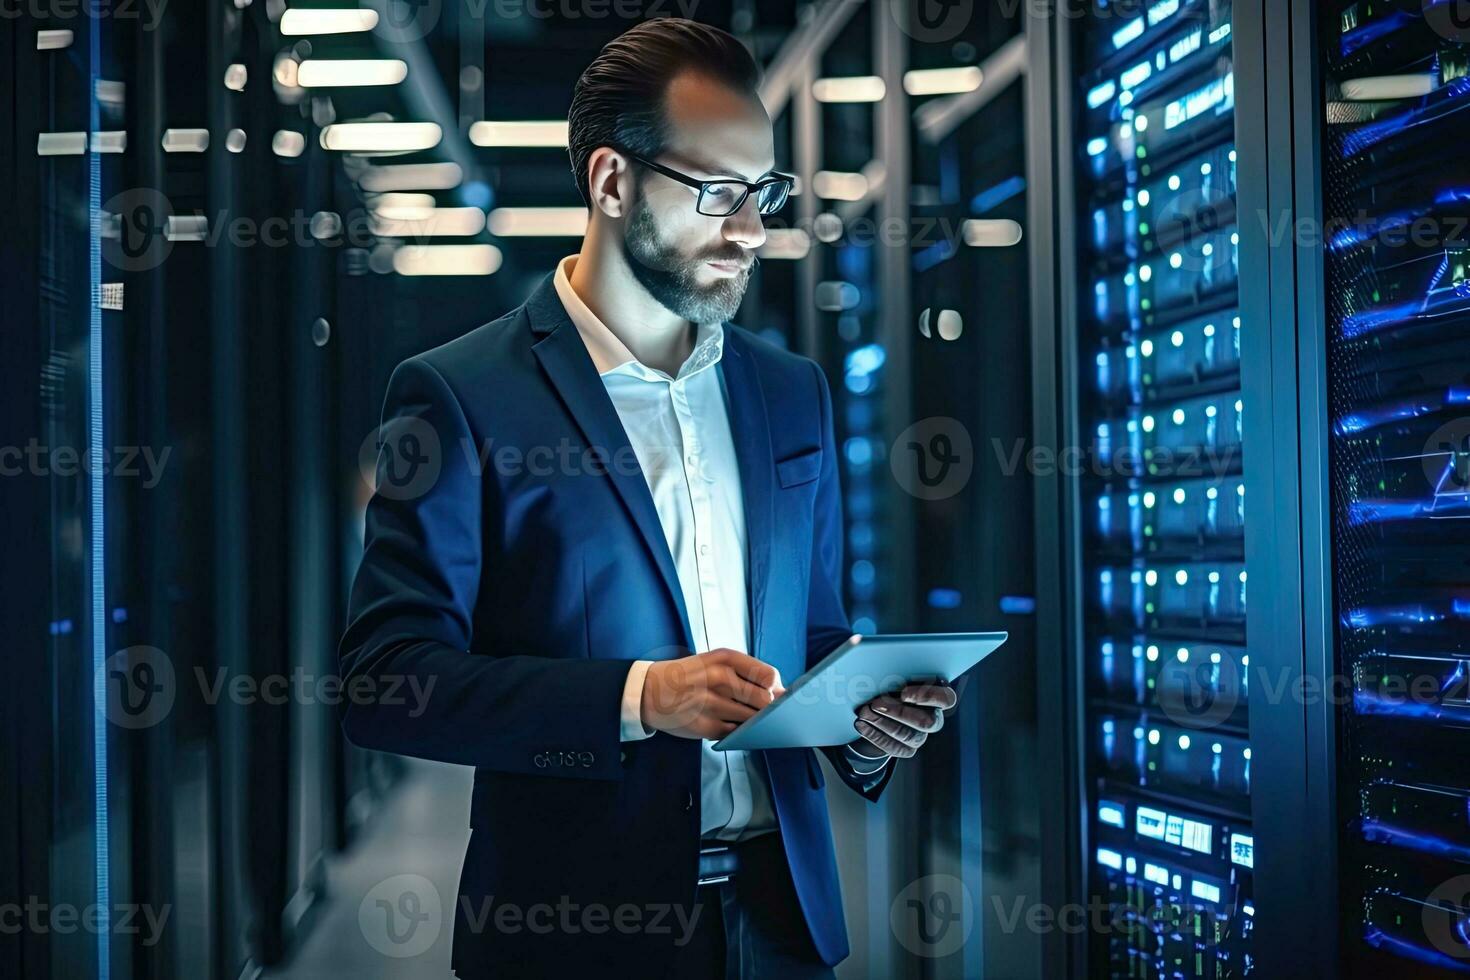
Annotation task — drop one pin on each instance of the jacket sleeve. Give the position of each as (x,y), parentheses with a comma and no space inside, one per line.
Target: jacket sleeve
(827,624)
(414,679)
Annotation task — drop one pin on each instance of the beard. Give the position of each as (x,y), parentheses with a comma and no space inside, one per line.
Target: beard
(672,278)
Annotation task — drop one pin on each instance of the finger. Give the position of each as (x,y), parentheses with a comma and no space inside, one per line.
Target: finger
(882,740)
(748,693)
(908,736)
(930,695)
(912,715)
(756,671)
(714,729)
(728,709)
(724,681)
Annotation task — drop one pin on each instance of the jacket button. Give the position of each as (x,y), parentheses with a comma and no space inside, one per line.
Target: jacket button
(688,801)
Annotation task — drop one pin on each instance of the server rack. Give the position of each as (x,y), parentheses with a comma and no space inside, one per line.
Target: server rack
(1352,382)
(1395,189)
(1156,496)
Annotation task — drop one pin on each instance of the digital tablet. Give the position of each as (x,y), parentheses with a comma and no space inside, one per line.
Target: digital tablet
(820,706)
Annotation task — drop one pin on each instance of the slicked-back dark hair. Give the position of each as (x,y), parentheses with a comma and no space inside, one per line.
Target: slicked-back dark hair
(619,99)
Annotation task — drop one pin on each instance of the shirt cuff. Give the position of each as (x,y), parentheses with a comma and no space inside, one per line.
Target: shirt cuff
(864,765)
(633,728)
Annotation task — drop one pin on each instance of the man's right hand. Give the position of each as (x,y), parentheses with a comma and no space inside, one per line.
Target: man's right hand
(707,695)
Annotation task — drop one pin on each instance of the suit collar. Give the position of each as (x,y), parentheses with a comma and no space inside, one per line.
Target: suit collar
(565,359)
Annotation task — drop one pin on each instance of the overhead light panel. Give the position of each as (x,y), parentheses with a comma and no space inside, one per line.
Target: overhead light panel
(288,143)
(835,185)
(53,40)
(854,88)
(785,243)
(296,22)
(545,222)
(446,260)
(185,140)
(436,222)
(990,233)
(343,72)
(544,132)
(402,205)
(381,137)
(942,81)
(411,177)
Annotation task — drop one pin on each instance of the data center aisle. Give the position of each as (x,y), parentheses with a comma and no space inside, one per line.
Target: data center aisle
(389,912)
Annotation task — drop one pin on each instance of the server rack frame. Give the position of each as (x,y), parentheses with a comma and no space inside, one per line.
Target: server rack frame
(1287,542)
(1283,383)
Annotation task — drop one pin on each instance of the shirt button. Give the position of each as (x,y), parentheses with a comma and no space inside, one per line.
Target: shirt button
(704,549)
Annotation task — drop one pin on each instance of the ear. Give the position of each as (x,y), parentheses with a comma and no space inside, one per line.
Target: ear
(609,181)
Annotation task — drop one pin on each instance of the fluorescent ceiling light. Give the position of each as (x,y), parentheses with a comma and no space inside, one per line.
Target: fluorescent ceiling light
(381,136)
(548,222)
(785,243)
(856,88)
(112,141)
(544,132)
(53,40)
(942,81)
(186,228)
(415,223)
(341,72)
(185,140)
(61,144)
(990,233)
(836,185)
(411,177)
(446,260)
(288,143)
(401,205)
(306,21)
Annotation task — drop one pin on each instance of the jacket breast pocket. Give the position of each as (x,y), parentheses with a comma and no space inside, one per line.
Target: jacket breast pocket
(799,469)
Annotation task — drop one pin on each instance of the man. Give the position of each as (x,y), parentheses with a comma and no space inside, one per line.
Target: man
(634,533)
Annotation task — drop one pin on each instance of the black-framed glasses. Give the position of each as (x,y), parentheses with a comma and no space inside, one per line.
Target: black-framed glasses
(723,196)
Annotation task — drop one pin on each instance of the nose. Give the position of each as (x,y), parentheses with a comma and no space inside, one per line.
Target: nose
(745,227)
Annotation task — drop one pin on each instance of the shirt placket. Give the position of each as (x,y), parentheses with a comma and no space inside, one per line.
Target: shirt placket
(701,507)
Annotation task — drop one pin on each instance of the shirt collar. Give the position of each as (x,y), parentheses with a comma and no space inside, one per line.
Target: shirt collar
(610,355)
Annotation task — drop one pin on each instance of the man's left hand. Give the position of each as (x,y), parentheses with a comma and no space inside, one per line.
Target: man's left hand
(897,724)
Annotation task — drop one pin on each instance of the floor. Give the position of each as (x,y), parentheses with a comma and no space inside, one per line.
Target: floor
(390,910)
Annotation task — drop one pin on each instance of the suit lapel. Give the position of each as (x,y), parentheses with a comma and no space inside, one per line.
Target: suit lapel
(565,359)
(751,432)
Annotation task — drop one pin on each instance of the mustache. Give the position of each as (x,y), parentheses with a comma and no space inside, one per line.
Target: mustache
(741,258)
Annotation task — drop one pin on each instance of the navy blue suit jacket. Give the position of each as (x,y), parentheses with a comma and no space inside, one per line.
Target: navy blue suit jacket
(515,558)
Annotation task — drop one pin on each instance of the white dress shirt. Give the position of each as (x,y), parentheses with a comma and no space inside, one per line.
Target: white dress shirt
(679,429)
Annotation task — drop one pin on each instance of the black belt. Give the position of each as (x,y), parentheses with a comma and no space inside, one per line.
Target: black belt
(719,861)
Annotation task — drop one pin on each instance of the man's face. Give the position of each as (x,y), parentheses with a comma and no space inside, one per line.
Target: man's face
(699,266)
